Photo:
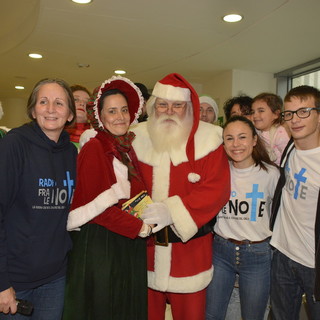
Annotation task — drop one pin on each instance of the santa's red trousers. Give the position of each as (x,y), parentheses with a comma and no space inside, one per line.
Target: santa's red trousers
(183,305)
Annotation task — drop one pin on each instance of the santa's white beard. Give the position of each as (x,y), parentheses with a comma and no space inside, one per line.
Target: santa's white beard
(169,132)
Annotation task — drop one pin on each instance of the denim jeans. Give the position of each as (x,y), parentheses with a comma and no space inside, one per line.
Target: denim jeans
(47,302)
(253,263)
(234,308)
(289,280)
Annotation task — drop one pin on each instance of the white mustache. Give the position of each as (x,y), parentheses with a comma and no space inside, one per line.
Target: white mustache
(165,117)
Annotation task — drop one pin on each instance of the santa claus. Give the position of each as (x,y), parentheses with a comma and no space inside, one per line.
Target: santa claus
(186,172)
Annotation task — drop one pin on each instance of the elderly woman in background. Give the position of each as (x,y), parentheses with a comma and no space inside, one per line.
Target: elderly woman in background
(107,277)
(37,177)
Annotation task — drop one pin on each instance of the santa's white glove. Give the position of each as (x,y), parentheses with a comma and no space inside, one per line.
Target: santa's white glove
(86,136)
(157,214)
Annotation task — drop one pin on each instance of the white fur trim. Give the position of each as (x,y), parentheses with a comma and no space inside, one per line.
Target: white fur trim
(161,280)
(169,92)
(183,224)
(161,179)
(106,199)
(193,177)
(162,262)
(86,136)
(208,138)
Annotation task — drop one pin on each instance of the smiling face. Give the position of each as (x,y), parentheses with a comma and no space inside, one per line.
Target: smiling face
(51,110)
(81,98)
(238,143)
(305,132)
(115,114)
(262,115)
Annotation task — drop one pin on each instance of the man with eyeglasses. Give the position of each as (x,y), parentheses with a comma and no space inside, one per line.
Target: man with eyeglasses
(186,171)
(295,217)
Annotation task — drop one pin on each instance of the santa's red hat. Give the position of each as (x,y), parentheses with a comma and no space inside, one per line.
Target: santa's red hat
(176,88)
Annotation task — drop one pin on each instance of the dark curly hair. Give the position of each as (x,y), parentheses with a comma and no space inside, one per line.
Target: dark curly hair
(243,101)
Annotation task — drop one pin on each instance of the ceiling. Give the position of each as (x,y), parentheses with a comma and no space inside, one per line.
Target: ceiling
(151,38)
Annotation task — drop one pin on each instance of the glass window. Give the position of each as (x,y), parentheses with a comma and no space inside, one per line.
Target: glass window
(305,74)
(310,79)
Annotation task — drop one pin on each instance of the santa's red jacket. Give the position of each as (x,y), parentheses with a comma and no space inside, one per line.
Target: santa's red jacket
(185,266)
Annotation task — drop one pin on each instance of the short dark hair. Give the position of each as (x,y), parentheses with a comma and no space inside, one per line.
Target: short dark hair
(304,92)
(34,95)
(108,93)
(244,101)
(144,90)
(259,153)
(78,87)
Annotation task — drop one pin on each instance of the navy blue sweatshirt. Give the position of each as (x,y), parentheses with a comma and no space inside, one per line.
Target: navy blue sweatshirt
(37,179)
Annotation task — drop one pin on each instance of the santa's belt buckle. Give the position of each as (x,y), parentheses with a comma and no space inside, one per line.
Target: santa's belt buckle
(161,238)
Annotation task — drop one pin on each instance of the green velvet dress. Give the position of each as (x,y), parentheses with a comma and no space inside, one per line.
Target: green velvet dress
(107,277)
(107,268)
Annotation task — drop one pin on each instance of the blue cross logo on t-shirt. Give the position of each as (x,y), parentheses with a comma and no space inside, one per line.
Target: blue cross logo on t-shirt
(300,178)
(255,195)
(68,183)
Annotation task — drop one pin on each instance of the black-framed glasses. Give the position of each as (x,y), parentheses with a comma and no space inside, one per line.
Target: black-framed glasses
(302,113)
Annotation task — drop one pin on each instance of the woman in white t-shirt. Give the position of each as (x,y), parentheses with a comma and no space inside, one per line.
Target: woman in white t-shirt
(242,234)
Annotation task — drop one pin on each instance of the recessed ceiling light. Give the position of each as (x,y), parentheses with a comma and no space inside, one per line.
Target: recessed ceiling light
(19,87)
(35,55)
(82,1)
(119,72)
(232,18)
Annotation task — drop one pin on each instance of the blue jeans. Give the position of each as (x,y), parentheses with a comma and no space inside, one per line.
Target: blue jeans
(253,263)
(47,302)
(289,280)
(234,308)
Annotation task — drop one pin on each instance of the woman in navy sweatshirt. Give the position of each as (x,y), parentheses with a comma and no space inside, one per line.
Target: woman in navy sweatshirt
(37,179)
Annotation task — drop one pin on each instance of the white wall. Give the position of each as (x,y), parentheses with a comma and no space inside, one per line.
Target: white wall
(221,87)
(235,82)
(252,83)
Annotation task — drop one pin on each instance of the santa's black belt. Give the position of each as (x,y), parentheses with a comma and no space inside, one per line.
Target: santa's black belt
(166,235)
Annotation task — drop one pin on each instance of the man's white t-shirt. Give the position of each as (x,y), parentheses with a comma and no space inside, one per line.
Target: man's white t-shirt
(293,232)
